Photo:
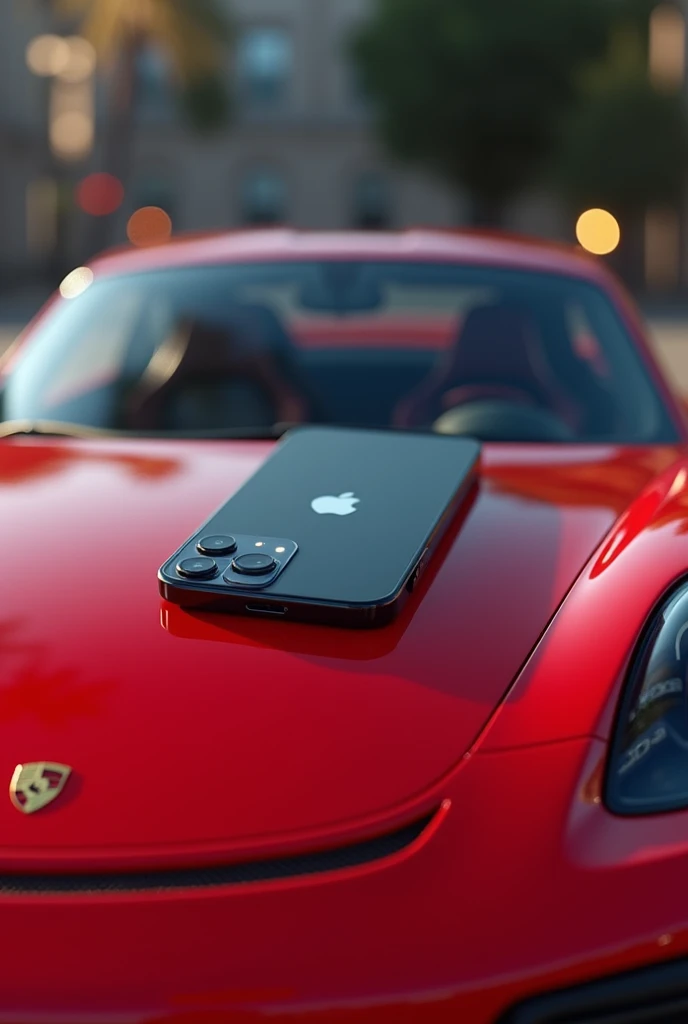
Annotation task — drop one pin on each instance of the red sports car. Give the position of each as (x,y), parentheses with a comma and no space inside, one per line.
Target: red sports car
(478,814)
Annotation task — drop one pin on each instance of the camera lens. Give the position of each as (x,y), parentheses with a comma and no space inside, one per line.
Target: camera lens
(197,568)
(254,565)
(217,545)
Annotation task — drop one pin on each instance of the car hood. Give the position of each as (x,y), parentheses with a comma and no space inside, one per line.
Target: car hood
(196,737)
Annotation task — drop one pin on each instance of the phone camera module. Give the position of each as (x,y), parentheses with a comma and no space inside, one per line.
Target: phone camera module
(217,545)
(198,568)
(254,565)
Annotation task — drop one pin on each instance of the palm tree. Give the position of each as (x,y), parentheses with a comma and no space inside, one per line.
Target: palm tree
(193,34)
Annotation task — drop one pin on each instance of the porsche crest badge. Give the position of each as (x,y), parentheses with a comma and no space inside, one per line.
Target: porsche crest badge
(36,785)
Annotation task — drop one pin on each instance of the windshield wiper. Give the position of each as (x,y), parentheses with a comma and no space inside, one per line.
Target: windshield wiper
(57,428)
(49,428)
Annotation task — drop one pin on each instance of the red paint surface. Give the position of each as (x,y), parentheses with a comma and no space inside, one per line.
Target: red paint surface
(274,732)
(208,739)
(203,739)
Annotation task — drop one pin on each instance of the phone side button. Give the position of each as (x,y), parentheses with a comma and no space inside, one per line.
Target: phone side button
(418,571)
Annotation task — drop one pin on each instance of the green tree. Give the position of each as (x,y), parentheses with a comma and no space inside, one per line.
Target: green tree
(625,146)
(193,34)
(476,89)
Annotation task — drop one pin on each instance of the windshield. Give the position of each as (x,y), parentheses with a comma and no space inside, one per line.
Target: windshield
(498,354)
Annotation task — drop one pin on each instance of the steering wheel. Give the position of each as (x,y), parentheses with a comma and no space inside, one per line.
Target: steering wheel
(499,420)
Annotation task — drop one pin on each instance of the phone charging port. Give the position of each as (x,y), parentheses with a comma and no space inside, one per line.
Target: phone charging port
(266,609)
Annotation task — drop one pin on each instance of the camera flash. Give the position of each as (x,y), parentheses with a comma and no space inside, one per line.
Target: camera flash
(280,551)
(260,543)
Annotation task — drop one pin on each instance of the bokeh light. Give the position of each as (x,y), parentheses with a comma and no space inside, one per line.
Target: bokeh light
(47,55)
(149,226)
(71,134)
(598,231)
(81,60)
(667,48)
(76,283)
(100,194)
(72,60)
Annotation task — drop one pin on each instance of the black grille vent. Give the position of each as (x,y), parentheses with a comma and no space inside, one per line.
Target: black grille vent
(651,995)
(208,877)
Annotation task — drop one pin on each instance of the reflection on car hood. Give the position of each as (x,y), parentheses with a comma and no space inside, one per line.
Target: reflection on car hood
(208,736)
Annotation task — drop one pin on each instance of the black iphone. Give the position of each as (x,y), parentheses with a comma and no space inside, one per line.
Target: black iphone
(335,527)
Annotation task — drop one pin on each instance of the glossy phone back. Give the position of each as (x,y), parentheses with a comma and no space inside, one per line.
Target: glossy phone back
(364,509)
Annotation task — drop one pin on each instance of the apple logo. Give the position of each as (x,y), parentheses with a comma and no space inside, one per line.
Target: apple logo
(329,505)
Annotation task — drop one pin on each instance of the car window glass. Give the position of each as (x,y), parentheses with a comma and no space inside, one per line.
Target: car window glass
(395,344)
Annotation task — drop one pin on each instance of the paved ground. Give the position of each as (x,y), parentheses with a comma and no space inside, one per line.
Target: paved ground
(671,343)
(670,337)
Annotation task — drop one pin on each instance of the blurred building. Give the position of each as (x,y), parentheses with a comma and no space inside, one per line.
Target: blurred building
(300,148)
(24,154)
(666,229)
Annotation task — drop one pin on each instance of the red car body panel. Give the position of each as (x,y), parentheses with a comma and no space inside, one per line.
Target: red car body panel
(374,718)
(199,740)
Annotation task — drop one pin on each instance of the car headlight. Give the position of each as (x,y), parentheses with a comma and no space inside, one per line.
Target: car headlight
(648,766)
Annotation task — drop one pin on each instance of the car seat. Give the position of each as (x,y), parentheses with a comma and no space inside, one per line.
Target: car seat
(207,377)
(497,355)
